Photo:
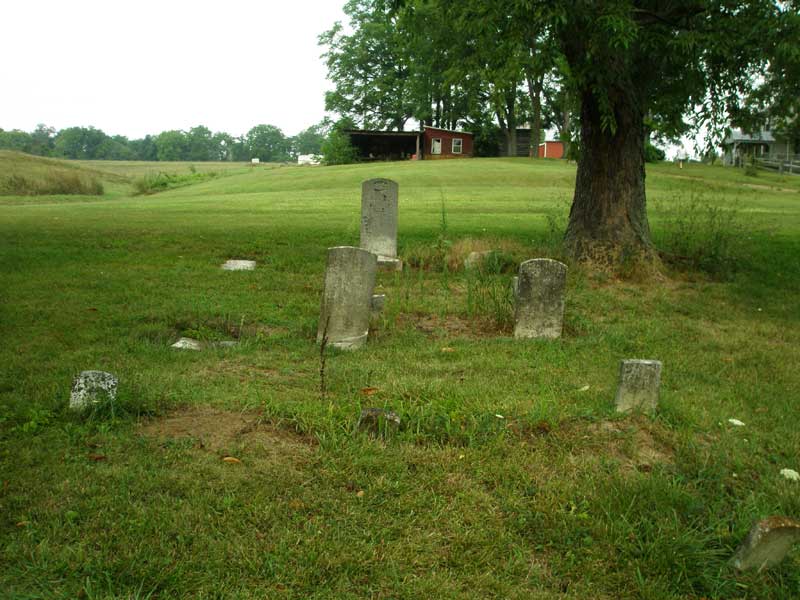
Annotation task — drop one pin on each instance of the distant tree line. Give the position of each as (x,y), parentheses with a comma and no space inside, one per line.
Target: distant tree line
(265,142)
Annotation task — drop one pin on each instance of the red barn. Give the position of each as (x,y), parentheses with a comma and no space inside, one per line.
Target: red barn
(445,143)
(551,150)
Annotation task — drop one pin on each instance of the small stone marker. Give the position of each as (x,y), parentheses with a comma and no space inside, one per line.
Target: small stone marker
(347,297)
(639,383)
(540,299)
(92,387)
(767,544)
(185,343)
(379,221)
(239,265)
(377,304)
(378,421)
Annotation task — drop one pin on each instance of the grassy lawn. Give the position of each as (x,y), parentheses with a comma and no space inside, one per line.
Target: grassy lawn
(510,476)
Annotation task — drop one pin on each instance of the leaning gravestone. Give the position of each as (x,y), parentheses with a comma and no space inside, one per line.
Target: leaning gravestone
(639,384)
(92,387)
(539,295)
(379,221)
(347,297)
(767,544)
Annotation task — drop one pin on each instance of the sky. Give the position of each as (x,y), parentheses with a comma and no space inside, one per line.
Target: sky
(137,67)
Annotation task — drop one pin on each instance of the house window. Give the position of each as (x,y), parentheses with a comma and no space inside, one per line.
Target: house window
(458,144)
(436,146)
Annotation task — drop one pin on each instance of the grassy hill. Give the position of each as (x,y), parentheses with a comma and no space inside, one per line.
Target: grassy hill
(510,477)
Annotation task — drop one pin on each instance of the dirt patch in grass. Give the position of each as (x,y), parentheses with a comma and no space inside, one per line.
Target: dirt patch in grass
(450,326)
(242,435)
(634,443)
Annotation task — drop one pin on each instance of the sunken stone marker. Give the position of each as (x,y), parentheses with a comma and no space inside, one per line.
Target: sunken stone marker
(639,384)
(767,544)
(378,421)
(92,387)
(347,297)
(239,265)
(539,295)
(379,221)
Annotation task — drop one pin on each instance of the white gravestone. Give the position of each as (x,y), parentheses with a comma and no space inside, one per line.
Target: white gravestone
(379,215)
(347,297)
(239,265)
(92,387)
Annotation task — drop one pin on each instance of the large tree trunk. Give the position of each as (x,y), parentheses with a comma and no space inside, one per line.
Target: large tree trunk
(535,91)
(608,220)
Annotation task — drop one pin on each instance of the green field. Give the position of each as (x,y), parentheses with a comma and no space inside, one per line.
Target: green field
(510,476)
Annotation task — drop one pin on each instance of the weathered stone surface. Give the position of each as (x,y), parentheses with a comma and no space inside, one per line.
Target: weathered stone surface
(239,265)
(390,264)
(185,343)
(639,385)
(540,299)
(379,219)
(378,421)
(767,544)
(92,387)
(515,288)
(377,303)
(347,297)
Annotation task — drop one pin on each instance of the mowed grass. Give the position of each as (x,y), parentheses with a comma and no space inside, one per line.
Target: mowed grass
(510,477)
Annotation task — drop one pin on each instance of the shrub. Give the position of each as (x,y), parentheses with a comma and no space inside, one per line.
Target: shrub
(152,183)
(653,153)
(337,149)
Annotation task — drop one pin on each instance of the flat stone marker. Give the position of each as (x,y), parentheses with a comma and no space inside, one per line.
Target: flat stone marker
(347,297)
(379,221)
(92,387)
(639,384)
(185,343)
(767,544)
(239,265)
(540,299)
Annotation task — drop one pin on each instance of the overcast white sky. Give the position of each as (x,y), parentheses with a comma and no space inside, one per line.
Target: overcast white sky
(142,66)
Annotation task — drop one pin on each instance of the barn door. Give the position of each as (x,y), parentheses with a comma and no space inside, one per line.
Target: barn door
(436,146)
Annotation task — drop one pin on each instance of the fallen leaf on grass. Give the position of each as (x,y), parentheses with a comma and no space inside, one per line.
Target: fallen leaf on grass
(584,389)
(97,457)
(736,422)
(369,391)
(92,309)
(360,494)
(23,523)
(448,349)
(231,459)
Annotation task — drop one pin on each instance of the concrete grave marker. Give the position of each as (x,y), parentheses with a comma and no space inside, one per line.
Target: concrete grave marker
(92,387)
(378,421)
(239,265)
(377,303)
(539,295)
(767,544)
(639,384)
(347,297)
(379,221)
(185,343)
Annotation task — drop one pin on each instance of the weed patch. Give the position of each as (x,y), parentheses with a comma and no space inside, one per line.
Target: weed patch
(152,183)
(51,184)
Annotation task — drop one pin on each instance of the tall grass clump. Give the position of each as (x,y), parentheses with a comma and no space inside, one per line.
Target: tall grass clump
(152,183)
(702,236)
(53,183)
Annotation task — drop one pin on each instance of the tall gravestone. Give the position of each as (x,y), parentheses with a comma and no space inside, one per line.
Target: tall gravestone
(379,221)
(639,385)
(347,297)
(767,544)
(539,296)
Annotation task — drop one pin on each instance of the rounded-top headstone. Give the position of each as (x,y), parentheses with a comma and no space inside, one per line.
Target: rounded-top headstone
(379,217)
(347,297)
(92,387)
(767,544)
(540,299)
